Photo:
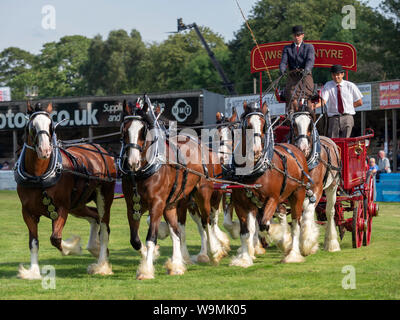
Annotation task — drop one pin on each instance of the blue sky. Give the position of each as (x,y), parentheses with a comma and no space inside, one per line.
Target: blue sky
(21,20)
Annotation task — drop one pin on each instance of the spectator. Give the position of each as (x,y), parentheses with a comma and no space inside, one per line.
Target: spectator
(383,164)
(6,166)
(373,167)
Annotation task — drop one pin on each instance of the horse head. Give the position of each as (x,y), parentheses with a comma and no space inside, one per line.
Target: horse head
(40,129)
(225,135)
(254,118)
(301,131)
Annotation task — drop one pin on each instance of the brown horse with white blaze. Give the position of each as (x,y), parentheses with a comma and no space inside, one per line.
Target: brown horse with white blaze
(280,173)
(323,160)
(157,174)
(48,186)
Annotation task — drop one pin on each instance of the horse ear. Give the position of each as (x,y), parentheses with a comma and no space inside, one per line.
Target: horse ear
(49,107)
(218,116)
(264,108)
(145,107)
(234,115)
(157,110)
(126,109)
(245,106)
(29,109)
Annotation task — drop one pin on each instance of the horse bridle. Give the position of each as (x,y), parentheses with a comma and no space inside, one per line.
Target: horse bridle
(293,116)
(35,137)
(126,146)
(254,113)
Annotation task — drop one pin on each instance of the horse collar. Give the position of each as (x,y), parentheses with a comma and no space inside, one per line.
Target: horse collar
(47,180)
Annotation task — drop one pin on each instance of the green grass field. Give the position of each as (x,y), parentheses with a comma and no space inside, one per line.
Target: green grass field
(377,266)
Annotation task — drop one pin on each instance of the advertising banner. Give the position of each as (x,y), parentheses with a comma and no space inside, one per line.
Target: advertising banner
(389,95)
(102,113)
(274,106)
(327,53)
(5,94)
(366,99)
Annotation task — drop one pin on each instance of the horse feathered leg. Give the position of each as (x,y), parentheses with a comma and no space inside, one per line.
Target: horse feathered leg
(233,227)
(309,230)
(296,207)
(243,258)
(146,268)
(331,238)
(202,256)
(102,266)
(33,273)
(221,236)
(174,265)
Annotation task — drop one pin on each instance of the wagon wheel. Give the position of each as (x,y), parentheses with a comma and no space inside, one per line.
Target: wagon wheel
(358,224)
(369,207)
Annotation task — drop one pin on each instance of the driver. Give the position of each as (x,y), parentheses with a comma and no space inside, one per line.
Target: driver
(300,57)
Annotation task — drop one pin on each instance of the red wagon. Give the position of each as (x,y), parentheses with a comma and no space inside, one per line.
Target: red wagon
(356,193)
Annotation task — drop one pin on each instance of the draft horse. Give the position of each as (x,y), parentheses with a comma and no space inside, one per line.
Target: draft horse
(157,174)
(53,181)
(323,162)
(188,204)
(280,172)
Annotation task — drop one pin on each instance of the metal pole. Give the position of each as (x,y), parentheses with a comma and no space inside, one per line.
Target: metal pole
(261,89)
(395,146)
(386,134)
(15,145)
(229,86)
(363,121)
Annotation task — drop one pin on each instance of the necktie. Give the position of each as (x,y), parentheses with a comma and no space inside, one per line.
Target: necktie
(339,100)
(298,48)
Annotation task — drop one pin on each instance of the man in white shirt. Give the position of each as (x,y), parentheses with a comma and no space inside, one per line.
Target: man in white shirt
(341,97)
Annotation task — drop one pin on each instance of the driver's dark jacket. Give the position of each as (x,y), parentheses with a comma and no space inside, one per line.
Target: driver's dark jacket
(303,60)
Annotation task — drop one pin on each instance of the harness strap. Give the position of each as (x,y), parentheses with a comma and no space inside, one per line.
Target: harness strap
(298,163)
(285,175)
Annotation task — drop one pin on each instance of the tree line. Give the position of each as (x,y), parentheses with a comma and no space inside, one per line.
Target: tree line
(123,63)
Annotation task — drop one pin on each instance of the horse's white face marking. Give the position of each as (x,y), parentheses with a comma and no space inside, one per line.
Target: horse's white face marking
(302,123)
(133,153)
(255,121)
(225,149)
(43,147)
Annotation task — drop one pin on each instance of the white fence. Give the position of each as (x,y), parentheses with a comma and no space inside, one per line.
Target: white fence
(7,181)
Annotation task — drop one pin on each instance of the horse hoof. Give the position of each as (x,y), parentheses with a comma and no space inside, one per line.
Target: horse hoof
(175,269)
(29,274)
(145,272)
(293,258)
(332,246)
(71,246)
(94,251)
(103,268)
(144,277)
(163,230)
(259,250)
(200,258)
(242,261)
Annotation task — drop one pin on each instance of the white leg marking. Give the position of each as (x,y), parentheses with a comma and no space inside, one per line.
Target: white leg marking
(175,265)
(221,236)
(71,246)
(146,267)
(294,254)
(243,259)
(93,245)
(202,256)
(33,273)
(309,231)
(102,266)
(331,243)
